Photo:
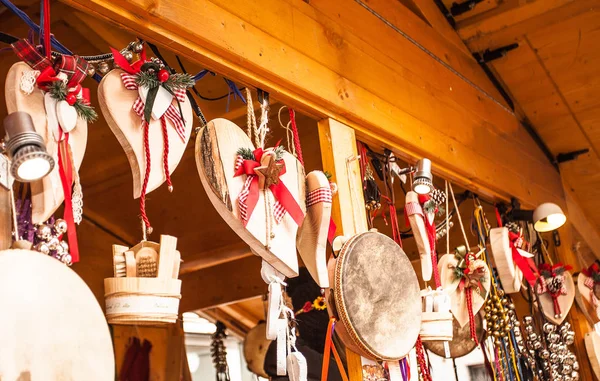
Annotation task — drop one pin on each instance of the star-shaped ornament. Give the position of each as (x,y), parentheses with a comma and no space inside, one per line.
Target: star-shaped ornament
(268,172)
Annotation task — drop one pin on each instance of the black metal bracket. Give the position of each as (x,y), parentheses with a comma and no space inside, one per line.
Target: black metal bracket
(459,8)
(442,7)
(569,156)
(490,55)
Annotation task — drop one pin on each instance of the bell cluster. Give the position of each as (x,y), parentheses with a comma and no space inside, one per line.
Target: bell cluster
(548,354)
(500,316)
(103,67)
(48,240)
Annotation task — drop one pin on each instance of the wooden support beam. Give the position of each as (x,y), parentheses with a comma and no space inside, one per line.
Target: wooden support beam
(324,73)
(5,218)
(225,283)
(340,158)
(202,260)
(510,21)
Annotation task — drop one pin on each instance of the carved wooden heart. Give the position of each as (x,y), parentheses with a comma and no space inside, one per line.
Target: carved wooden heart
(46,194)
(510,275)
(216,153)
(116,103)
(564,301)
(457,296)
(592,347)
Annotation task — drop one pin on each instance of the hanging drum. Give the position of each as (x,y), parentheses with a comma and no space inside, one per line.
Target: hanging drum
(256,346)
(375,297)
(52,327)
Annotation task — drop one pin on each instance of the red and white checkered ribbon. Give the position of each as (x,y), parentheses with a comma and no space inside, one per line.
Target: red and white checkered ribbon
(319,195)
(589,283)
(278,209)
(543,285)
(171,114)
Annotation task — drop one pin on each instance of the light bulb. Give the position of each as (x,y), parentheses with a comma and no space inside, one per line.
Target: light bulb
(33,169)
(422,188)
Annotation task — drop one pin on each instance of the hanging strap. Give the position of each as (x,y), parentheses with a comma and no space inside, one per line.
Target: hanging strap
(330,347)
(462,227)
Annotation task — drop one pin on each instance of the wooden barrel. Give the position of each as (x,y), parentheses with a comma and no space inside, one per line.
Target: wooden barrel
(142,301)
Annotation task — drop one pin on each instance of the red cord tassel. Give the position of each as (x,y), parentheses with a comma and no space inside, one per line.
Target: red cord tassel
(469,295)
(146,127)
(421,360)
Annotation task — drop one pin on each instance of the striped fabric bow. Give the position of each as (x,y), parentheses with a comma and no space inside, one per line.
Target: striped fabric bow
(555,287)
(172,114)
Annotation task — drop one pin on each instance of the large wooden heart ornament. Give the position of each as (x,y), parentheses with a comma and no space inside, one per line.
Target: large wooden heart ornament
(116,103)
(556,292)
(592,347)
(455,286)
(46,194)
(217,147)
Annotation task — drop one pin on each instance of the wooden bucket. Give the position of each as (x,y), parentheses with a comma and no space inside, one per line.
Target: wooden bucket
(436,321)
(142,301)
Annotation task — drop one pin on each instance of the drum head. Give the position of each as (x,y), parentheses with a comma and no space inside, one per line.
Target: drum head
(51,326)
(256,345)
(377,296)
(461,343)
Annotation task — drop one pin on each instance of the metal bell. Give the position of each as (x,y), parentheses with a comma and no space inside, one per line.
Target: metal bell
(43,231)
(43,248)
(53,243)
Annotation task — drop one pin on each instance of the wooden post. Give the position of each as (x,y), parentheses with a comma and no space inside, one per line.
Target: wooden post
(5,219)
(340,158)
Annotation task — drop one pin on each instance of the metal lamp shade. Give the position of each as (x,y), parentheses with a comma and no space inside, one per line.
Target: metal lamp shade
(548,217)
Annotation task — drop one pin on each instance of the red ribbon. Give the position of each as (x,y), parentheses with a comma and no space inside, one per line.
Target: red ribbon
(65,171)
(279,190)
(131,68)
(528,269)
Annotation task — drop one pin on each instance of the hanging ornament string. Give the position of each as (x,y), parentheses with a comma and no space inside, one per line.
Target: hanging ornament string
(153,77)
(297,146)
(423,369)
(251,127)
(468,289)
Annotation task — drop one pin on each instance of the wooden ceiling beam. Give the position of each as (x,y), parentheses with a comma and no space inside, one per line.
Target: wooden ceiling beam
(203,260)
(328,73)
(222,284)
(509,23)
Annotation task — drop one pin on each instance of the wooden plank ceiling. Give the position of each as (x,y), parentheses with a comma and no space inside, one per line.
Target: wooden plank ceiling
(553,77)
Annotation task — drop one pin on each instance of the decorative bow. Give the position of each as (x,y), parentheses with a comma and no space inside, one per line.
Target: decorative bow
(592,280)
(552,282)
(144,110)
(248,198)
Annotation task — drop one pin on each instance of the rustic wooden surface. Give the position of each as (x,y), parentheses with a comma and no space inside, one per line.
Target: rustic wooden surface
(216,154)
(5,219)
(116,103)
(339,156)
(399,119)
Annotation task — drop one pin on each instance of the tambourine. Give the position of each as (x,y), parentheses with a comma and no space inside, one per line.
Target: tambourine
(461,344)
(375,297)
(52,327)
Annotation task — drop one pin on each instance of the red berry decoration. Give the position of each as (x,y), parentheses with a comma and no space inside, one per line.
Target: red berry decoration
(163,75)
(71,99)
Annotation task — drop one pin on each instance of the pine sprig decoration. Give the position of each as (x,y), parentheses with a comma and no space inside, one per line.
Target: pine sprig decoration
(58,91)
(246,153)
(147,80)
(279,151)
(179,81)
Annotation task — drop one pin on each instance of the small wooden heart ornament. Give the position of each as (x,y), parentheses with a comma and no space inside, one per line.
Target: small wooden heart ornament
(47,193)
(66,115)
(508,271)
(456,286)
(312,236)
(217,147)
(556,291)
(116,103)
(588,292)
